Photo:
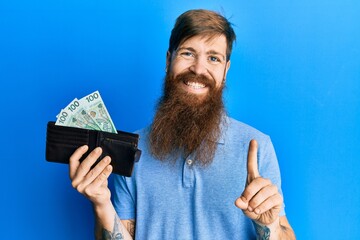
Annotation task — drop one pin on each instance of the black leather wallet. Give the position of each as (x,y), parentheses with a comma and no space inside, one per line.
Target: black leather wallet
(61,142)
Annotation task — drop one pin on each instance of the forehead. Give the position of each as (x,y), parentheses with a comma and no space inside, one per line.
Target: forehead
(205,42)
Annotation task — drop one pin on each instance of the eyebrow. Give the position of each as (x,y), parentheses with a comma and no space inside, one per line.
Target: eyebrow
(216,53)
(213,52)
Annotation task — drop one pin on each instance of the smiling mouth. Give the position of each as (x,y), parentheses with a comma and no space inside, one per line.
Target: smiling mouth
(195,85)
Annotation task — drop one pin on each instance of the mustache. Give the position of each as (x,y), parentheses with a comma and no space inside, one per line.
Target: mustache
(199,78)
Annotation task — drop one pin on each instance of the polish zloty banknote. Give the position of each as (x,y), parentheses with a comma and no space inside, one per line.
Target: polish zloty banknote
(89,113)
(96,109)
(75,115)
(63,118)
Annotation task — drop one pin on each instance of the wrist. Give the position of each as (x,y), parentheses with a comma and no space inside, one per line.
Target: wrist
(102,206)
(268,231)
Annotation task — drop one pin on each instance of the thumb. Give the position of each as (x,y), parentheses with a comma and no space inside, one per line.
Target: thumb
(252,162)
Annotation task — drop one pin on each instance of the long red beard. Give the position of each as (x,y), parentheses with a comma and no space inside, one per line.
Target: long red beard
(186,124)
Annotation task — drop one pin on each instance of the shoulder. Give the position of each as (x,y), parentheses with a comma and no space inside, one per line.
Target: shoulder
(143,131)
(241,133)
(234,129)
(143,135)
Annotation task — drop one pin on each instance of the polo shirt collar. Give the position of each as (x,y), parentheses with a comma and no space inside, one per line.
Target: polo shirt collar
(223,129)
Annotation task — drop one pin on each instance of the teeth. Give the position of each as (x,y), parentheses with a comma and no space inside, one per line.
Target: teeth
(195,85)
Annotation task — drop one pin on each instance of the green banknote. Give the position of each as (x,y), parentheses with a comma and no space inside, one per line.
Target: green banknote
(89,113)
(96,109)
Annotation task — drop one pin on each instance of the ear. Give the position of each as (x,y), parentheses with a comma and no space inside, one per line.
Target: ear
(227,67)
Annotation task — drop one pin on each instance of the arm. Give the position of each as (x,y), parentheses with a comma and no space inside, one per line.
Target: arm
(93,184)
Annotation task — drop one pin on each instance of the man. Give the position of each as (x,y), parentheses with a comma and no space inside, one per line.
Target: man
(196,161)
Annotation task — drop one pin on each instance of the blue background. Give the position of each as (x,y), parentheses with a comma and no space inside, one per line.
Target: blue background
(295,75)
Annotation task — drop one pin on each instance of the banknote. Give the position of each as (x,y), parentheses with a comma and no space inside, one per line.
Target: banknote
(89,113)
(74,115)
(96,109)
(64,116)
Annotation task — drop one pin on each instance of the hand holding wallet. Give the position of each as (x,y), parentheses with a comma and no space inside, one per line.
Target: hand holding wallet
(61,142)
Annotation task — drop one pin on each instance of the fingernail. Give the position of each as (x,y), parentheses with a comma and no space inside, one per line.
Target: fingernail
(250,209)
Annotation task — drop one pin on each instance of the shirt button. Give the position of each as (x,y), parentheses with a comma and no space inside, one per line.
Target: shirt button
(189,162)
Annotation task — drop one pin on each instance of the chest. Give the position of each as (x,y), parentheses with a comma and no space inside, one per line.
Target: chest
(187,183)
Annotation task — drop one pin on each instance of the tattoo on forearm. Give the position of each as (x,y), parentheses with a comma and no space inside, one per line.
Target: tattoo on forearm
(262,232)
(116,233)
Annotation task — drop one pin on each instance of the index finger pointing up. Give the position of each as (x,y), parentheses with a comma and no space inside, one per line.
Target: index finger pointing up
(252,164)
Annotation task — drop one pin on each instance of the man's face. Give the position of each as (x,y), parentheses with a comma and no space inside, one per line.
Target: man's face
(189,113)
(199,55)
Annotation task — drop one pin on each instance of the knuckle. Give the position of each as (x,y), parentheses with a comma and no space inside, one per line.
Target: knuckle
(281,198)
(96,171)
(260,181)
(73,184)
(84,167)
(76,154)
(267,205)
(256,180)
(73,158)
(271,202)
(98,168)
(92,154)
(274,188)
(90,174)
(267,181)
(246,193)
(102,177)
(254,203)
(96,152)
(80,188)
(88,191)
(275,201)
(262,209)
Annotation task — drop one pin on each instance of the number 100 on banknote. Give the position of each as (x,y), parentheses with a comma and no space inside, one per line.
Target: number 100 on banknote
(88,112)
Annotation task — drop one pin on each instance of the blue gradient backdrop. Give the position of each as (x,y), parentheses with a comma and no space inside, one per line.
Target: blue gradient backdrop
(295,75)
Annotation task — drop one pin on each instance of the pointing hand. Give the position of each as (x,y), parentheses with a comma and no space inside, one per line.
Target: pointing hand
(260,200)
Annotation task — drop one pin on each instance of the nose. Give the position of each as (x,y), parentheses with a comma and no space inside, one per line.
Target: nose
(198,66)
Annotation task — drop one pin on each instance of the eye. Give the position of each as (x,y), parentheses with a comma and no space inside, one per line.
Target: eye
(214,59)
(187,54)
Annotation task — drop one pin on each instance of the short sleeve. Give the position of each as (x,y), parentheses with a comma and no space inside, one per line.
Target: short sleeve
(124,198)
(269,166)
